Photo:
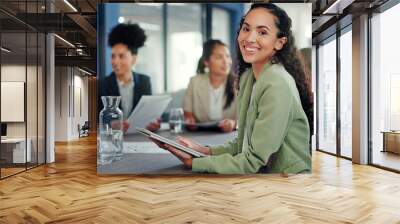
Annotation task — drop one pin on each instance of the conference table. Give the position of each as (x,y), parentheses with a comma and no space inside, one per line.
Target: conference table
(141,156)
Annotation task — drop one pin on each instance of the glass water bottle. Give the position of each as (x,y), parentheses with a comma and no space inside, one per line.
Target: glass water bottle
(110,131)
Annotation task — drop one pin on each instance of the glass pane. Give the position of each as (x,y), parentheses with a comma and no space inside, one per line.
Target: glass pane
(31,98)
(13,87)
(346,94)
(148,16)
(184,41)
(221,26)
(41,99)
(314,90)
(385,89)
(327,97)
(20,87)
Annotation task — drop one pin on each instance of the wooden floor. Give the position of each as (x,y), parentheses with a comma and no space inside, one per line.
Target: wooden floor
(10,171)
(386,159)
(70,191)
(5,172)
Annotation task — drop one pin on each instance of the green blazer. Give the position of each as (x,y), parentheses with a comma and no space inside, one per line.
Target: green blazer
(277,129)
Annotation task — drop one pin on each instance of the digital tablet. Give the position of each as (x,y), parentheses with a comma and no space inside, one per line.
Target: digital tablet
(167,141)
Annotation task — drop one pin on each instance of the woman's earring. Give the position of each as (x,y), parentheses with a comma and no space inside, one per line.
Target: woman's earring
(206,69)
(274,60)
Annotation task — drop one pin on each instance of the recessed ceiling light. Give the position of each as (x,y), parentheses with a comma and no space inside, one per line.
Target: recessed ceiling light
(70,5)
(84,71)
(65,41)
(5,50)
(338,6)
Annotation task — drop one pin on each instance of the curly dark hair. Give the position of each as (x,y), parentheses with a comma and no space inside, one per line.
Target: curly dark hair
(288,56)
(208,48)
(129,34)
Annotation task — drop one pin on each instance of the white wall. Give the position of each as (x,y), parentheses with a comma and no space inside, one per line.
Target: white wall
(80,103)
(71,94)
(61,103)
(33,126)
(12,73)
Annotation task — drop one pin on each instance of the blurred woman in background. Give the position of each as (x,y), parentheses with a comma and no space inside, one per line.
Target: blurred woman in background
(125,41)
(211,94)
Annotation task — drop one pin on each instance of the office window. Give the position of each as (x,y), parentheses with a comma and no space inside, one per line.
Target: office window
(346,94)
(394,102)
(184,44)
(221,26)
(327,96)
(385,89)
(300,14)
(150,57)
(314,90)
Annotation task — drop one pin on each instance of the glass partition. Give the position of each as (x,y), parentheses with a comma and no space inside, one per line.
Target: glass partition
(31,97)
(41,97)
(14,153)
(327,96)
(346,94)
(385,89)
(22,88)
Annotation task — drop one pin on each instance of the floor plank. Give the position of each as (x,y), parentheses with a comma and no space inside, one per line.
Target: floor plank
(70,191)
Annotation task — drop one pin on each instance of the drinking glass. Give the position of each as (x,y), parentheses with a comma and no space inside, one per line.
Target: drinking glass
(176,120)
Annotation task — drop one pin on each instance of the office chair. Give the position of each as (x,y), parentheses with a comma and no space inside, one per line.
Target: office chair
(84,130)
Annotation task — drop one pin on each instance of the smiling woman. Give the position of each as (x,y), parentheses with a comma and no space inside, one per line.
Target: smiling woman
(256,42)
(273,134)
(125,41)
